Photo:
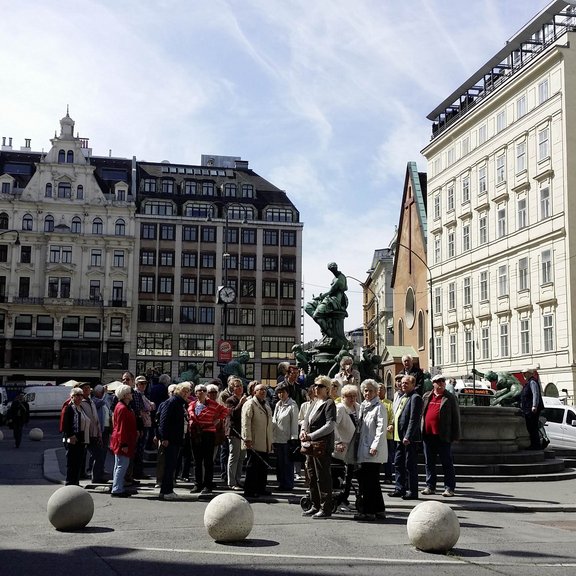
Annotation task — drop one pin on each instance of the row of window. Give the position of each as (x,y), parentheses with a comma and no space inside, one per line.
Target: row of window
(60,287)
(484,344)
(502,224)
(206,286)
(206,315)
(500,173)
(523,282)
(494,125)
(75,224)
(196,188)
(167,258)
(42,326)
(202,345)
(149,231)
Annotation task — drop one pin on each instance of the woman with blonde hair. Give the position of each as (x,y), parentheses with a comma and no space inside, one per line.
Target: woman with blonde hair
(371,452)
(318,433)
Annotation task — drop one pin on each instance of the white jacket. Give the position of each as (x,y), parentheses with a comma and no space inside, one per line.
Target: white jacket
(372,429)
(344,433)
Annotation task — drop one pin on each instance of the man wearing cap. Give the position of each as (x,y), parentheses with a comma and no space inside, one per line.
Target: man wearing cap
(531,404)
(440,427)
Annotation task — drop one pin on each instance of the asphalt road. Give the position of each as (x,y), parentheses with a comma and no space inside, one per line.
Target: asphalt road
(145,536)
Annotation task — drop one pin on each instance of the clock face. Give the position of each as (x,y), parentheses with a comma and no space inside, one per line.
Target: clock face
(227,294)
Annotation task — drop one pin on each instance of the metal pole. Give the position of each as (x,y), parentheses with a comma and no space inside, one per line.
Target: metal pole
(225,262)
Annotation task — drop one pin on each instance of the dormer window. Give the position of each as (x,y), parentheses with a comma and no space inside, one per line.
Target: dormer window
(247,191)
(48,191)
(230,190)
(61,157)
(279,215)
(80,192)
(70,157)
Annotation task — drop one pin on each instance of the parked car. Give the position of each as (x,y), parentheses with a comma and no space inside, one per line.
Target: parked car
(560,423)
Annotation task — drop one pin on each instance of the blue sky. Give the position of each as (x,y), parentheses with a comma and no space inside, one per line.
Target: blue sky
(327,99)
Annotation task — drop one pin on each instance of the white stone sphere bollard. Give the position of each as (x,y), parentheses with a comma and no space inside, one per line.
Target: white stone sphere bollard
(36,434)
(70,508)
(228,518)
(433,527)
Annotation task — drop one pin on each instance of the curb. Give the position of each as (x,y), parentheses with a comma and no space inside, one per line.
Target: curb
(53,474)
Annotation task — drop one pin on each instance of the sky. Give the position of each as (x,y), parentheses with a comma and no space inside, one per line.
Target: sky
(327,99)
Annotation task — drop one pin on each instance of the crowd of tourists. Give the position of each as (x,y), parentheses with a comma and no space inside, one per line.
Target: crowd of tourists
(341,437)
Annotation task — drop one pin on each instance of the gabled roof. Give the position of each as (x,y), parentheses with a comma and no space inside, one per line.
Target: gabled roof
(418,182)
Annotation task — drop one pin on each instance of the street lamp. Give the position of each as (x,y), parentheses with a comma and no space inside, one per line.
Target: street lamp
(377,311)
(227,294)
(17,241)
(432,359)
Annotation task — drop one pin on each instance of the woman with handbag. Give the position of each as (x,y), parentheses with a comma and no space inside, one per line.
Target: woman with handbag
(371,452)
(317,436)
(76,432)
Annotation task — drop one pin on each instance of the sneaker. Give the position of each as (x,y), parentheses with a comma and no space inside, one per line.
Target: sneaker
(196,490)
(344,508)
(448,493)
(206,492)
(171,496)
(236,488)
(428,491)
(310,512)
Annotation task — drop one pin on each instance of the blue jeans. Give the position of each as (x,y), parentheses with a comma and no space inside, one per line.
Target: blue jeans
(433,447)
(121,464)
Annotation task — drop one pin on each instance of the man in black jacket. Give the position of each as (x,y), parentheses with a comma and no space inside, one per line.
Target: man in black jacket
(531,404)
(171,436)
(408,435)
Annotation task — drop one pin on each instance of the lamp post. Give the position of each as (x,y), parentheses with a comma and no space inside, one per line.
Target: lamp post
(377,310)
(17,241)
(98,296)
(432,359)
(225,299)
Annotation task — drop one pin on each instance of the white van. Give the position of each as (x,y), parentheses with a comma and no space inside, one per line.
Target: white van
(560,423)
(4,404)
(46,400)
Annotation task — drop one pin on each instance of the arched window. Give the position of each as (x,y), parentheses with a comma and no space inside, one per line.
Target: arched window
(70,157)
(400,335)
(80,192)
(27,222)
(3,221)
(97,226)
(48,192)
(49,224)
(61,157)
(421,329)
(76,227)
(410,308)
(120,227)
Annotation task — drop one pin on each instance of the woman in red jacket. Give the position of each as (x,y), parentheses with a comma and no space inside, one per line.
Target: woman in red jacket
(204,414)
(124,439)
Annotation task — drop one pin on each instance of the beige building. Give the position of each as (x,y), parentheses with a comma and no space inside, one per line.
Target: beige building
(500,244)
(66,261)
(108,264)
